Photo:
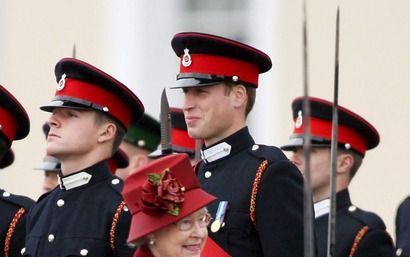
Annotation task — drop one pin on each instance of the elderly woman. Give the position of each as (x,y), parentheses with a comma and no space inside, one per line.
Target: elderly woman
(169,218)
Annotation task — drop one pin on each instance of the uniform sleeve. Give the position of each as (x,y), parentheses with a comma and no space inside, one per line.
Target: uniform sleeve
(279,211)
(403,228)
(375,243)
(122,249)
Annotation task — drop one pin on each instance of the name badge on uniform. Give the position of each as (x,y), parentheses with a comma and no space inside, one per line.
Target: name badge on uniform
(220,216)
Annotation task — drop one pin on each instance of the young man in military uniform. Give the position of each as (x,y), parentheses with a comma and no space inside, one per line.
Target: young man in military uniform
(86,214)
(141,139)
(358,232)
(259,211)
(14,125)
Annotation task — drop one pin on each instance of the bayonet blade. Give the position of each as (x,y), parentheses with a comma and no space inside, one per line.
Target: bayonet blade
(74,54)
(331,236)
(307,190)
(166,125)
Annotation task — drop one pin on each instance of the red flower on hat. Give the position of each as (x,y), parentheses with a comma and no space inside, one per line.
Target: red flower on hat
(162,192)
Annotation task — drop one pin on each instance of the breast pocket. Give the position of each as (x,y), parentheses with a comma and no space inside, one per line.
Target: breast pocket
(240,232)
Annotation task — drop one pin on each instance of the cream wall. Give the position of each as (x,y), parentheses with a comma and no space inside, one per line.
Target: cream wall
(132,42)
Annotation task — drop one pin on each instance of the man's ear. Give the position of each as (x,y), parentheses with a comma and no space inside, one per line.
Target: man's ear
(240,96)
(344,163)
(107,132)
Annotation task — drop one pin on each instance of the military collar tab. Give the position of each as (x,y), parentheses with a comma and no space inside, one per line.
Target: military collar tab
(216,152)
(74,180)
(322,208)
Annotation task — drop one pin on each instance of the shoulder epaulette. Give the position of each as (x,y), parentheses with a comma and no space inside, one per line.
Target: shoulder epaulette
(370,219)
(19,200)
(270,153)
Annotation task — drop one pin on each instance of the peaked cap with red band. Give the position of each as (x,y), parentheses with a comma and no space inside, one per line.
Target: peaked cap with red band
(144,218)
(354,132)
(83,86)
(14,121)
(208,59)
(180,140)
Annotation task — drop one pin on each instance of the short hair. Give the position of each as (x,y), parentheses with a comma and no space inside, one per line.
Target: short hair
(250,91)
(120,132)
(357,160)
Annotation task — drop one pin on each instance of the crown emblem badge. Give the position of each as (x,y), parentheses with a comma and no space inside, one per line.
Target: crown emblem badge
(186,59)
(299,120)
(61,83)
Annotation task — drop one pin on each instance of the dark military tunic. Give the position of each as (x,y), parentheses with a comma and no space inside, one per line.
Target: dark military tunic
(80,219)
(13,213)
(358,232)
(279,203)
(403,229)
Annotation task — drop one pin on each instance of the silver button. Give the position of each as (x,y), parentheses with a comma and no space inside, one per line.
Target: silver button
(23,250)
(125,208)
(352,208)
(399,251)
(115,181)
(6,194)
(255,147)
(84,252)
(235,78)
(105,109)
(60,202)
(208,174)
(51,238)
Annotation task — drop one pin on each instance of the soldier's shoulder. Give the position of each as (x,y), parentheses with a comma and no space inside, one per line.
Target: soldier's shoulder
(366,218)
(404,205)
(17,200)
(270,153)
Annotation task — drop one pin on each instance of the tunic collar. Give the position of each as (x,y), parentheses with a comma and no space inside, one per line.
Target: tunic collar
(231,145)
(323,207)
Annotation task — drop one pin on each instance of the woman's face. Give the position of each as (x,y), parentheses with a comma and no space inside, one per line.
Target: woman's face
(186,238)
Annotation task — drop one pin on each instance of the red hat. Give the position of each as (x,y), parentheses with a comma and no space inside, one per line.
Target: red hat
(180,140)
(83,86)
(7,159)
(150,211)
(208,59)
(118,161)
(354,132)
(14,121)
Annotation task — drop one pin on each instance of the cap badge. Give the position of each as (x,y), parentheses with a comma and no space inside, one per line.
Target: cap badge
(299,120)
(61,83)
(186,59)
